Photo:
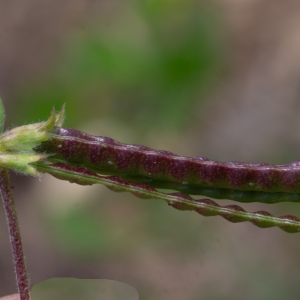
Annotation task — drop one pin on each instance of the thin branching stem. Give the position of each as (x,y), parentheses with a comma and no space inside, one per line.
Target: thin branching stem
(14,233)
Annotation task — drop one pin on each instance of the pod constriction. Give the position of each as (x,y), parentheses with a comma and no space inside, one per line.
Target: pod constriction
(205,207)
(107,156)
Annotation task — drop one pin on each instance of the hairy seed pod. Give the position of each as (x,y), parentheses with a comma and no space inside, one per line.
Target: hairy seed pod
(106,156)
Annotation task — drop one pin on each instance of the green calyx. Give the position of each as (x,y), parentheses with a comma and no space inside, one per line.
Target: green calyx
(16,145)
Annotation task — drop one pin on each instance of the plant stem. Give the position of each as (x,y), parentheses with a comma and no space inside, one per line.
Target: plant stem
(14,233)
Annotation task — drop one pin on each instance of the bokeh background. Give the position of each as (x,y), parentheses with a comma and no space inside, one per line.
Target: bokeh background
(199,78)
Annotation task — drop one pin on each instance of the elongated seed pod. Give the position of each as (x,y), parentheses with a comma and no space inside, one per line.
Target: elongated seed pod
(220,193)
(106,156)
(205,207)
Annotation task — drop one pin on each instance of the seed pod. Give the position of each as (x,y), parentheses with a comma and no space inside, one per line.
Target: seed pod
(220,193)
(106,156)
(205,207)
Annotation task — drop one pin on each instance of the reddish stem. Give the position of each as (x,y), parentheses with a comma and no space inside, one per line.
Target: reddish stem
(14,233)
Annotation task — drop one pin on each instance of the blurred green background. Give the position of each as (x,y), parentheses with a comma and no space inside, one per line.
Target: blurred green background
(207,78)
(146,61)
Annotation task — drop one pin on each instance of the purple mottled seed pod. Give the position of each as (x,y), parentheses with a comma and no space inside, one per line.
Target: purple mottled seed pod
(107,156)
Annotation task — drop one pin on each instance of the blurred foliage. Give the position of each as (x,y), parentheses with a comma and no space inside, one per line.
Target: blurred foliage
(179,238)
(148,64)
(88,289)
(82,233)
